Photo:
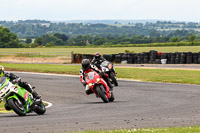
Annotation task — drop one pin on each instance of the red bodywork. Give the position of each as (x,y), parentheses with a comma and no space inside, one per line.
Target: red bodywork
(92,77)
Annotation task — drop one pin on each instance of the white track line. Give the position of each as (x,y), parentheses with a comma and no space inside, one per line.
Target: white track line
(48,104)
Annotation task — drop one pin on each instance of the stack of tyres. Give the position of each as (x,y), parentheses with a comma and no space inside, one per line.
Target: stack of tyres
(173,57)
(153,56)
(108,57)
(164,56)
(113,57)
(183,58)
(158,59)
(88,56)
(140,58)
(189,58)
(118,58)
(199,58)
(135,56)
(146,57)
(178,58)
(195,58)
(130,58)
(124,58)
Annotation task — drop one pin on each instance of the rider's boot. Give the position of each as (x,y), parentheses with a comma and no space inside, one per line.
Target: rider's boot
(35,95)
(88,91)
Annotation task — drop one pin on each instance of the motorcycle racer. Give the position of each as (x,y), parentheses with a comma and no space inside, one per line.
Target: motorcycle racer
(97,59)
(15,79)
(86,68)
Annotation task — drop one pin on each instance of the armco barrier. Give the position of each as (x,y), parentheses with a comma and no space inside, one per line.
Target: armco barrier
(151,57)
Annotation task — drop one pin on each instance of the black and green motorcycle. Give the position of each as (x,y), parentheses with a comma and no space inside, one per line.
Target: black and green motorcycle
(19,99)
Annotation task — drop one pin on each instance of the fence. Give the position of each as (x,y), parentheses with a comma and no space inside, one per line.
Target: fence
(36,57)
(151,57)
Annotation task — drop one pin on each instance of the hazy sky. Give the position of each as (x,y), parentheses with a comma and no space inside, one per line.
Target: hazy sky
(180,10)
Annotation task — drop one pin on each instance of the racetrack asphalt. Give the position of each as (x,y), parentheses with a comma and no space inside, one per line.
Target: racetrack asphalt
(136,105)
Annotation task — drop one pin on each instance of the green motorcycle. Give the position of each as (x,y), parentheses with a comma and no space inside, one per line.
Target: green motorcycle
(19,99)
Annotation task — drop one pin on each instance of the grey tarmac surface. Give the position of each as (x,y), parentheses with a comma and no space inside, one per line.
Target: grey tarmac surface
(137,105)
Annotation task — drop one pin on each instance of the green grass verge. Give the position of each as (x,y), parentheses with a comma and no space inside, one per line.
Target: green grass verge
(106,50)
(154,75)
(195,129)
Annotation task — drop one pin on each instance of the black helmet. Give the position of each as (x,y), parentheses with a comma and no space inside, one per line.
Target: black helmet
(97,55)
(85,64)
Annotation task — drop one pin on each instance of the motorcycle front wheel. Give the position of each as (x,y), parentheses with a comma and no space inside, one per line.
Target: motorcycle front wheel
(17,107)
(102,93)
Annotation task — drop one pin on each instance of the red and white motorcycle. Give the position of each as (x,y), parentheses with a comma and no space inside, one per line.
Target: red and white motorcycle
(99,86)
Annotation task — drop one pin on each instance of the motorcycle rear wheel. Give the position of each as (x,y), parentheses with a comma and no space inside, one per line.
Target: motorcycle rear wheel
(112,97)
(40,109)
(17,107)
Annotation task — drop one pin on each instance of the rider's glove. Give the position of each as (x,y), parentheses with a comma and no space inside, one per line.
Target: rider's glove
(84,83)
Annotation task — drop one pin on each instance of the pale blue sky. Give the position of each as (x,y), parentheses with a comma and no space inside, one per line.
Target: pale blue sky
(61,10)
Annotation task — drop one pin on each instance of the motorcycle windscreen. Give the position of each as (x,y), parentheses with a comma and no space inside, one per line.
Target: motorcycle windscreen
(2,80)
(90,75)
(105,63)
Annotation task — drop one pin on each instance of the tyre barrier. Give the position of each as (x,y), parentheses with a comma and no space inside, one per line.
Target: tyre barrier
(151,57)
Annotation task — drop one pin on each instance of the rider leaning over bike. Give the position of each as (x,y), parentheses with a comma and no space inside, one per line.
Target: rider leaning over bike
(15,79)
(97,60)
(86,68)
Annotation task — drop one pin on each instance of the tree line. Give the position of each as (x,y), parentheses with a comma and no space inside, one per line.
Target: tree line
(89,34)
(38,28)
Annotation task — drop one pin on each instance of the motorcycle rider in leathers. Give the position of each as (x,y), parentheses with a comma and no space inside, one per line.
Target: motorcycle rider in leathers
(97,60)
(86,68)
(15,79)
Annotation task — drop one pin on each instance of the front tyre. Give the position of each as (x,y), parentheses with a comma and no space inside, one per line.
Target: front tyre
(40,108)
(17,107)
(102,93)
(113,78)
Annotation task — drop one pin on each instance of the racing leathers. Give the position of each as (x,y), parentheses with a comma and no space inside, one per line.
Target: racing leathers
(97,62)
(83,80)
(15,79)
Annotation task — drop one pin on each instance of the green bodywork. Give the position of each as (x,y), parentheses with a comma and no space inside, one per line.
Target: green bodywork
(25,97)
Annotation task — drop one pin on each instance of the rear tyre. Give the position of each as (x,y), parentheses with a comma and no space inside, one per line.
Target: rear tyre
(40,109)
(113,78)
(112,97)
(17,107)
(102,93)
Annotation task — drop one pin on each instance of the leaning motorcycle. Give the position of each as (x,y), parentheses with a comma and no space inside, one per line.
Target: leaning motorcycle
(107,67)
(19,99)
(98,86)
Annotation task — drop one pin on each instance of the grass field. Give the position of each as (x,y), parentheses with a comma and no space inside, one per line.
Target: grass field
(195,129)
(154,75)
(111,50)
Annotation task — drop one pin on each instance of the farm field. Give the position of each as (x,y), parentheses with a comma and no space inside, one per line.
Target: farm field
(109,50)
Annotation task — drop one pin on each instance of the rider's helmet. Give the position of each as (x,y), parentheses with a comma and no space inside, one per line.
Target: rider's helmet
(85,64)
(97,55)
(1,70)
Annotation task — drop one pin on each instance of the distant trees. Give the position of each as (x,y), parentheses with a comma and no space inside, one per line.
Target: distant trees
(38,28)
(55,39)
(174,39)
(192,38)
(8,39)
